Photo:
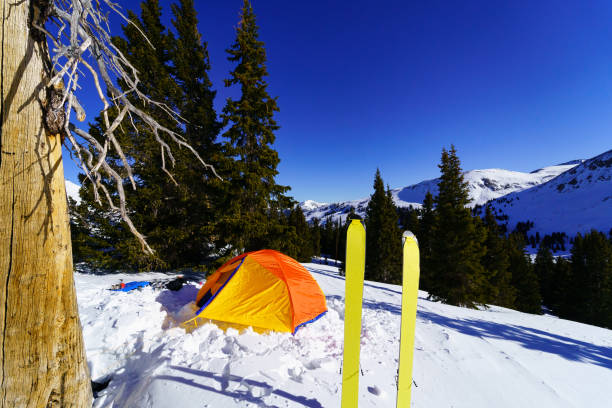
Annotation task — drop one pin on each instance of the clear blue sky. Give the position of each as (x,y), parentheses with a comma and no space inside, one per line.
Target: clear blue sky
(362,84)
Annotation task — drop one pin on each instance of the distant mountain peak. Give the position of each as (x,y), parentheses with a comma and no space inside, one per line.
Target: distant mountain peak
(72,190)
(484,185)
(577,200)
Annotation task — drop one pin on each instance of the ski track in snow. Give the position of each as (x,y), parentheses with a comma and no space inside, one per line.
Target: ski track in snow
(463,358)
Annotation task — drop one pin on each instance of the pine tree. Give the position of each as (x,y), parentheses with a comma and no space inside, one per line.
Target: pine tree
(424,233)
(175,212)
(297,220)
(562,299)
(544,267)
(409,219)
(457,274)
(282,235)
(253,191)
(315,236)
(327,238)
(199,192)
(524,278)
(591,283)
(497,286)
(152,61)
(383,236)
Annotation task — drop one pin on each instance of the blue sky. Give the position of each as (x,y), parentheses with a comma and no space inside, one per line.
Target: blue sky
(361,84)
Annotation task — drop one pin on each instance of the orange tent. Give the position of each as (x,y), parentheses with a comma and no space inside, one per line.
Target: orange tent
(263,289)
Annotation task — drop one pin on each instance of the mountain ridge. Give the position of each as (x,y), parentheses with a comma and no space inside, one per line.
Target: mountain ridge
(483,184)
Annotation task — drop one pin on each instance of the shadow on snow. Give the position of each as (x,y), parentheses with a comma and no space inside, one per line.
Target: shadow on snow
(527,337)
(224,382)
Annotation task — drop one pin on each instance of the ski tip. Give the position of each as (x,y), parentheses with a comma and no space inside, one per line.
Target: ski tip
(409,234)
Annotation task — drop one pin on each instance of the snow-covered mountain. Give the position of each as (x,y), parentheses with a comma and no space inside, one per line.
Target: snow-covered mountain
(72,190)
(484,185)
(487,184)
(575,201)
(462,357)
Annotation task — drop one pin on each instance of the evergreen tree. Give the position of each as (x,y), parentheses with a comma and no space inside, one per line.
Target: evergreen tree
(524,279)
(409,219)
(201,191)
(591,283)
(544,267)
(383,236)
(456,272)
(282,236)
(175,212)
(297,220)
(562,296)
(253,192)
(152,61)
(328,238)
(497,287)
(426,224)
(315,236)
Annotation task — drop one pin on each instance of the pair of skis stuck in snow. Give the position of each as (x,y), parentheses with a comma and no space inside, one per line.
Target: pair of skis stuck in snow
(355,269)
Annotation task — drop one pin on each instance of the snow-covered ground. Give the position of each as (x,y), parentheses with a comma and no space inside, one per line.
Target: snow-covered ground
(464,358)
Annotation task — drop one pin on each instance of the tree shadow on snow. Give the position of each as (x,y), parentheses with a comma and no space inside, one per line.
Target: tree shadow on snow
(224,382)
(365,283)
(527,337)
(372,305)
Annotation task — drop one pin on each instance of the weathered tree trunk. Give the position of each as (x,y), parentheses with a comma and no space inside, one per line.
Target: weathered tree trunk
(42,356)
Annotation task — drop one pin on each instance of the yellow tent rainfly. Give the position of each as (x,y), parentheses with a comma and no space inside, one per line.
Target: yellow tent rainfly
(266,290)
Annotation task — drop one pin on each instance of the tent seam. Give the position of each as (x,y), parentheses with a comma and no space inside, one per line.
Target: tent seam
(221,288)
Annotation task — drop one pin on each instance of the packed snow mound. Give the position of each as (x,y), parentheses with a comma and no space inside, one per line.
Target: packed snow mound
(577,200)
(463,358)
(483,185)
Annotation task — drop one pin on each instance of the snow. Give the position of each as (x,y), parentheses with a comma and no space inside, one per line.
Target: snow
(72,190)
(309,205)
(463,358)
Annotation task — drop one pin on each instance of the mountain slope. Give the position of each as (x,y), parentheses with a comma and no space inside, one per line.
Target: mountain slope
(487,184)
(575,201)
(484,185)
(72,190)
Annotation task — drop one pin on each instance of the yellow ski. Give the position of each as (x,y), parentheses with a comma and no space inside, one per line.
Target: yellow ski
(353,298)
(410,291)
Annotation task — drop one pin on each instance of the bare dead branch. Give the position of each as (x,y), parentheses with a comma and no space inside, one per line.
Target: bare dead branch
(81,27)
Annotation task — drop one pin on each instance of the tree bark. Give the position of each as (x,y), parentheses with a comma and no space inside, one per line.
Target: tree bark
(42,356)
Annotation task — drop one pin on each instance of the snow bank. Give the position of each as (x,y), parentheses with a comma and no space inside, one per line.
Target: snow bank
(463,358)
